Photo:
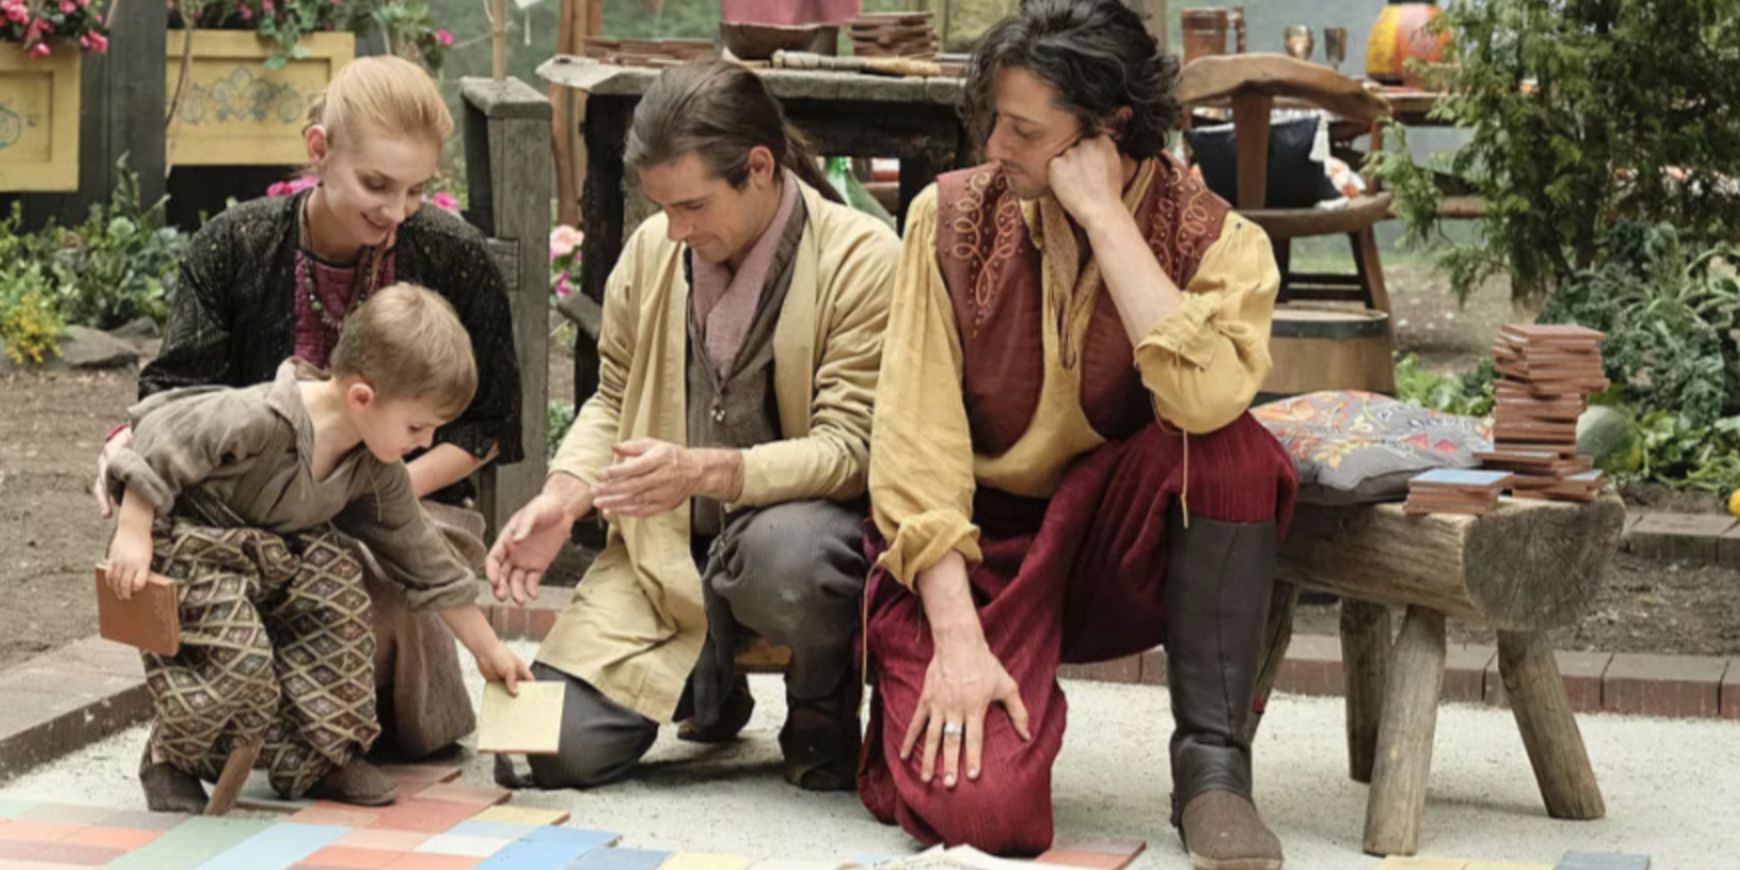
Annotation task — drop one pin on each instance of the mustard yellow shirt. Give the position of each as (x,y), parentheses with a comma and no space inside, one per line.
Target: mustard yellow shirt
(1202,365)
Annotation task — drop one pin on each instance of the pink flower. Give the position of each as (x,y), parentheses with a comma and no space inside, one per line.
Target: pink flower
(41,50)
(99,43)
(67,7)
(445,200)
(16,13)
(563,240)
(443,37)
(246,13)
(563,288)
(293,186)
(266,5)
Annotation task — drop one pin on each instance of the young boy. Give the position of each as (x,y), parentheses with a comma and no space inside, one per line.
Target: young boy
(240,496)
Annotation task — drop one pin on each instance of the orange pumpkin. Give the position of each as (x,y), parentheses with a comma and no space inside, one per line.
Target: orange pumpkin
(1399,34)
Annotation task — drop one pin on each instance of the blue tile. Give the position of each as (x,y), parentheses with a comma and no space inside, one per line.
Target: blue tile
(526,855)
(578,836)
(276,848)
(620,859)
(490,830)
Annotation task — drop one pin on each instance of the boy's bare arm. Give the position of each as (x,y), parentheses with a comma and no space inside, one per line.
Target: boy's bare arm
(495,661)
(130,551)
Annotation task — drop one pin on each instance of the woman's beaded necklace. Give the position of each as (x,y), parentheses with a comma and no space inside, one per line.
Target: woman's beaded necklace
(362,280)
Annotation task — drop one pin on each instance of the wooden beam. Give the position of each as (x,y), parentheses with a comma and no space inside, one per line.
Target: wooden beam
(1527,566)
(1549,731)
(507,135)
(1408,725)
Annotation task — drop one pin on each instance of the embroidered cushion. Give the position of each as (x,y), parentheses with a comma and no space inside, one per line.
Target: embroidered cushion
(1353,447)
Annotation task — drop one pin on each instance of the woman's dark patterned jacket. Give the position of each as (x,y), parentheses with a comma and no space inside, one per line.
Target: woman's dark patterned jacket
(233,319)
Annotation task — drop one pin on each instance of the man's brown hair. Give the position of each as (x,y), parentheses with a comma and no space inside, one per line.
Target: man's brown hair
(407,342)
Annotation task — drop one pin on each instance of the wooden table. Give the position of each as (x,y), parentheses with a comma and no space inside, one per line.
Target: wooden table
(843,114)
(1525,569)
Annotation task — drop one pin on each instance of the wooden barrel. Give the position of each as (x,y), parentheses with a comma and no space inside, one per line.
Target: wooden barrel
(1325,348)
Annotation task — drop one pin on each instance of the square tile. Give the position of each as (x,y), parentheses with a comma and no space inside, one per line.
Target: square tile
(454,792)
(65,814)
(1398,862)
(37,832)
(125,839)
(704,861)
(1110,847)
(458,844)
(18,850)
(276,847)
(190,843)
(431,817)
(141,820)
(12,809)
(422,861)
(351,857)
(480,827)
(390,841)
(348,818)
(530,722)
(76,854)
(526,855)
(533,816)
(1602,861)
(620,859)
(578,836)
(1096,860)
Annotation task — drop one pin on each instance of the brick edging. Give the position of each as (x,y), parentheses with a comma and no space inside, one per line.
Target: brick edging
(1712,539)
(63,700)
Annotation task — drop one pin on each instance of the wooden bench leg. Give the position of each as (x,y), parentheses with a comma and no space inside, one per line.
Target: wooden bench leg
(1549,731)
(234,776)
(1277,636)
(1407,726)
(1365,657)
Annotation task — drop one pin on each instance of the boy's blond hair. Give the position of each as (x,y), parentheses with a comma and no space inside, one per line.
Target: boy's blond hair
(407,342)
(383,94)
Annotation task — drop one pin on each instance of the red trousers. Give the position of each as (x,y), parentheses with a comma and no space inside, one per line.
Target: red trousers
(1077,578)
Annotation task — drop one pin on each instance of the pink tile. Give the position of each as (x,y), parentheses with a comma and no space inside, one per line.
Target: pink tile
(376,838)
(428,816)
(117,838)
(418,861)
(144,821)
(1131,848)
(37,832)
(347,818)
(346,856)
(76,854)
(1098,860)
(483,796)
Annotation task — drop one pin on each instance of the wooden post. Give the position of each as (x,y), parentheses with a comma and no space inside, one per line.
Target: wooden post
(1365,649)
(498,39)
(1251,130)
(1549,731)
(507,134)
(1277,636)
(1408,724)
(123,97)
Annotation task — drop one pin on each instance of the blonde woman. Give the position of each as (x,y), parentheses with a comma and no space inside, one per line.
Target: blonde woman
(274,278)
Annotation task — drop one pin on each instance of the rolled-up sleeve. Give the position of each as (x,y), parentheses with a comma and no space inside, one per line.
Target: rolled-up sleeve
(387,518)
(181,437)
(921,457)
(1205,361)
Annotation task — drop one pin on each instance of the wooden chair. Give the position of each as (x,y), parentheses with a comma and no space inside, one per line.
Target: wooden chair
(1252,85)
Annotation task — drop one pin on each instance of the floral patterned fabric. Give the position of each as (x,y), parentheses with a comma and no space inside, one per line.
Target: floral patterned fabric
(1352,447)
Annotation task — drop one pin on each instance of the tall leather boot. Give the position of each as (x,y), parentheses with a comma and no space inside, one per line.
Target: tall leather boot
(1218,583)
(821,737)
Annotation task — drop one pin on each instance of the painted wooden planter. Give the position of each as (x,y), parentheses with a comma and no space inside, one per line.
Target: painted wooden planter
(39,120)
(236,112)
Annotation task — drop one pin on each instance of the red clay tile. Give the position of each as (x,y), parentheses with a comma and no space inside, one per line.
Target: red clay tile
(1581,672)
(76,854)
(37,832)
(1154,667)
(1658,685)
(348,856)
(1312,667)
(1731,691)
(427,816)
(345,818)
(484,795)
(117,838)
(1465,672)
(421,861)
(1098,860)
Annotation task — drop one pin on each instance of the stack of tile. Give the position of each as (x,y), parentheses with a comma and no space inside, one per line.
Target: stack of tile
(1546,375)
(1455,491)
(894,34)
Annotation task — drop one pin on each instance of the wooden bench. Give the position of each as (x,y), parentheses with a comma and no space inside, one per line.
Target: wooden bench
(1525,569)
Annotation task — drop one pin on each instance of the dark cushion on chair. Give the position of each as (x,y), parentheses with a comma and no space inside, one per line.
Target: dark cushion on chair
(1295,180)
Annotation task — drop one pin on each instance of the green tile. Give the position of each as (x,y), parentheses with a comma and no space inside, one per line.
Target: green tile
(13,809)
(191,843)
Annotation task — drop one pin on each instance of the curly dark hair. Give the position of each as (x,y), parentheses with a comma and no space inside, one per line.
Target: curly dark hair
(1099,58)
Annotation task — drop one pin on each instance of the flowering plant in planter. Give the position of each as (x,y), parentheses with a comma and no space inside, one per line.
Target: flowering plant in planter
(410,31)
(38,24)
(565,260)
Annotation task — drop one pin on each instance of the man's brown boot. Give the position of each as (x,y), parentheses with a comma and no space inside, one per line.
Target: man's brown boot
(1222,831)
(1218,583)
(359,783)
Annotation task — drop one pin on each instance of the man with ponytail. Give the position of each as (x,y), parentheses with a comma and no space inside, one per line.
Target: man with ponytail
(728,446)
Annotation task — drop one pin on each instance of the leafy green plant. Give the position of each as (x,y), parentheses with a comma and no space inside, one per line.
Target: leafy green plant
(119,264)
(1468,395)
(29,323)
(1582,114)
(560,418)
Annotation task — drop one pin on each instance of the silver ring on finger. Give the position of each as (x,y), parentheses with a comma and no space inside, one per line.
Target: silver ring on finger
(953,729)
